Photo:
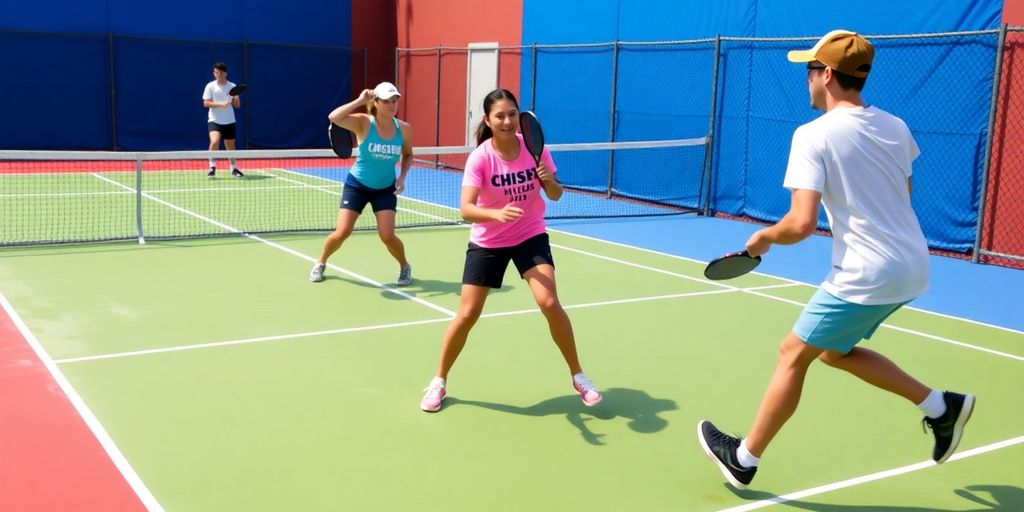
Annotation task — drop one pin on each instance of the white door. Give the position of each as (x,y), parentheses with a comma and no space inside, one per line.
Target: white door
(482,77)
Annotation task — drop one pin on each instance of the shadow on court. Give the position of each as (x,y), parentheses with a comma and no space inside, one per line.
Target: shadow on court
(637,406)
(989,497)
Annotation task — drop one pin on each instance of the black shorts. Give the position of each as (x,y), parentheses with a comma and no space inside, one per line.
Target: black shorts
(355,198)
(227,131)
(486,267)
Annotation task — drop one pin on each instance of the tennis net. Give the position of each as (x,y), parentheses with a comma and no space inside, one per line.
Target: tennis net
(59,197)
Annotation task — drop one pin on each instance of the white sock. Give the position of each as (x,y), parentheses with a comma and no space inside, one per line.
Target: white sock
(436,381)
(232,162)
(744,456)
(213,163)
(933,406)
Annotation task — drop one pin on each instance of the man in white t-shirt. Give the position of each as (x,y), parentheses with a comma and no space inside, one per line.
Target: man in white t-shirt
(221,119)
(855,160)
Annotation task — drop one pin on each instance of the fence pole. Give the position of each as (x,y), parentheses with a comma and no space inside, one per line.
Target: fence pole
(113,92)
(996,78)
(245,80)
(704,193)
(611,118)
(437,108)
(533,80)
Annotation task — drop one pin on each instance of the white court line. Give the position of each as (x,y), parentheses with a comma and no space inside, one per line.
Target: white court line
(684,258)
(108,444)
(793,496)
(293,252)
(261,339)
(789,301)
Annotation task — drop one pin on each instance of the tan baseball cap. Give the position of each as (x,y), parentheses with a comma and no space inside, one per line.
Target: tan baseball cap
(842,50)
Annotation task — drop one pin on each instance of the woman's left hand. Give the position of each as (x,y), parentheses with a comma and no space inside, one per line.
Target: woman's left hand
(399,186)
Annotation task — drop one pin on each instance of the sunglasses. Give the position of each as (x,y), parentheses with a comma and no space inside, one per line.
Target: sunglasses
(815,65)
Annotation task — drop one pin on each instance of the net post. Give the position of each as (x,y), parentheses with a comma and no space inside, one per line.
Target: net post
(138,199)
(996,79)
(704,194)
(611,118)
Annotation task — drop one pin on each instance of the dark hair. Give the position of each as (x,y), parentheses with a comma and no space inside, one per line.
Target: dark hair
(483,132)
(221,66)
(847,82)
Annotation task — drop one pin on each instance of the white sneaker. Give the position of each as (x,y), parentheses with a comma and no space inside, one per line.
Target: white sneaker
(586,389)
(317,274)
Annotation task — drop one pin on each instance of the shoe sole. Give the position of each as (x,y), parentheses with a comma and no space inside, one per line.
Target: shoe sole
(721,467)
(958,427)
(595,402)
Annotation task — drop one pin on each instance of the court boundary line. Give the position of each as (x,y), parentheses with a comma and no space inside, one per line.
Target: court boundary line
(344,330)
(288,250)
(124,467)
(872,477)
(694,260)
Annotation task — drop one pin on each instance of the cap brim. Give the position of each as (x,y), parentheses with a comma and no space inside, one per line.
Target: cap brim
(801,55)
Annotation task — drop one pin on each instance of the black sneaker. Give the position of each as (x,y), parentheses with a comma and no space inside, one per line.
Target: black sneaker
(950,426)
(721,449)
(236,173)
(212,174)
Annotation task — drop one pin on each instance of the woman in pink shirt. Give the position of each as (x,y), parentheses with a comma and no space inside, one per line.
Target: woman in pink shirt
(501,196)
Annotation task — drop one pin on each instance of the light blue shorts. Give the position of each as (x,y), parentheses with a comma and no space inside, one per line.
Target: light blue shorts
(831,323)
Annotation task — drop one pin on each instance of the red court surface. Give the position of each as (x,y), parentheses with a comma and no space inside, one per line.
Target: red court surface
(49,458)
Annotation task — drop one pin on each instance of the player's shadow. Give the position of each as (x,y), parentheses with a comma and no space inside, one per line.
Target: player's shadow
(425,288)
(990,497)
(634,405)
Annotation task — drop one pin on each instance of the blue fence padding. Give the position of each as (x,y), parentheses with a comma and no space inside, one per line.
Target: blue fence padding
(54,91)
(180,19)
(160,91)
(324,22)
(643,20)
(321,22)
(81,16)
(291,91)
(573,93)
(788,18)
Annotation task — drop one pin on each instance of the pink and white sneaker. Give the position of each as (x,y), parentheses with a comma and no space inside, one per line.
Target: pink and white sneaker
(590,395)
(433,395)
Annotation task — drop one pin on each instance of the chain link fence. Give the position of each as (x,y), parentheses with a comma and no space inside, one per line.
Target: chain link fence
(1001,226)
(744,96)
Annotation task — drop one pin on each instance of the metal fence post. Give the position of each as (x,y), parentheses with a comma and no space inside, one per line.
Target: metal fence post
(704,189)
(113,92)
(533,80)
(996,78)
(611,118)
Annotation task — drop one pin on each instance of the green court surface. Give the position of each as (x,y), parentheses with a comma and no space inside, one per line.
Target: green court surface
(230,382)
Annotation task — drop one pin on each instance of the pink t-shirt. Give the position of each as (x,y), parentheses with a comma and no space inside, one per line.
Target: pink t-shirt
(502,182)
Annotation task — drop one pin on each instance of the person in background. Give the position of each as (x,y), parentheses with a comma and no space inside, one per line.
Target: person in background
(221,117)
(384,141)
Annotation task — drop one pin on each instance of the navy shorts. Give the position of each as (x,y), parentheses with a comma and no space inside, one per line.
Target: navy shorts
(227,131)
(354,197)
(486,267)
